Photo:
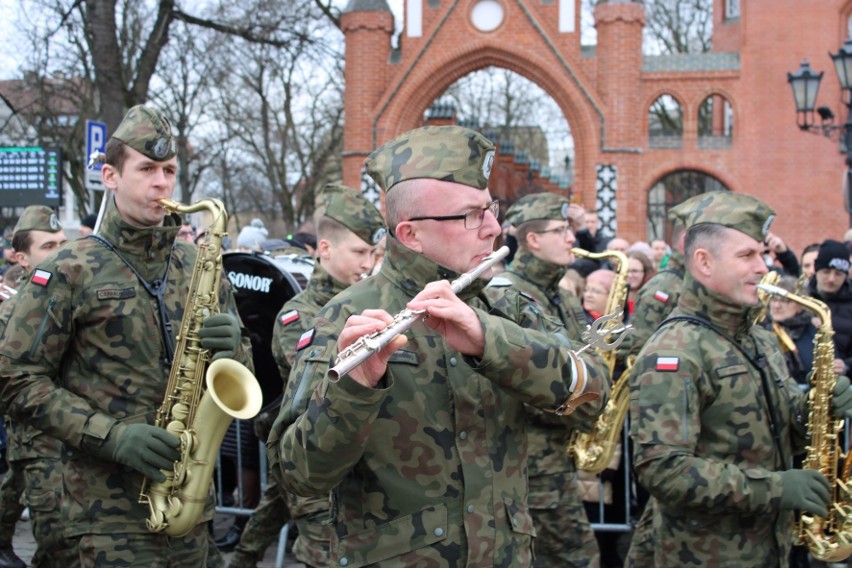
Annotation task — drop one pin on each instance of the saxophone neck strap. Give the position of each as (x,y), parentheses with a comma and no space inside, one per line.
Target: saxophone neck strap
(156,289)
(759,363)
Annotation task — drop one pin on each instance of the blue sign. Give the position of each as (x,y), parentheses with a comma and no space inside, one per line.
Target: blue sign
(96,139)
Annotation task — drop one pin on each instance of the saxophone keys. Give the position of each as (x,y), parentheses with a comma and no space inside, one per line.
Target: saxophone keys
(175,507)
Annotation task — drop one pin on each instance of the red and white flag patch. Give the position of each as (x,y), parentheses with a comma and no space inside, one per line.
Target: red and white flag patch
(306,339)
(41,277)
(668,363)
(289,317)
(661,296)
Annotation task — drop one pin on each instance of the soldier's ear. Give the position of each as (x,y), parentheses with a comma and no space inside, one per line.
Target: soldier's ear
(109,176)
(702,262)
(407,234)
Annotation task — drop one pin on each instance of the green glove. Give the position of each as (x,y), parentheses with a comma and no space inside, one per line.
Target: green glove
(147,449)
(805,490)
(221,335)
(841,401)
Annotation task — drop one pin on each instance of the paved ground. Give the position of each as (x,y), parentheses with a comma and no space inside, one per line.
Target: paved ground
(25,545)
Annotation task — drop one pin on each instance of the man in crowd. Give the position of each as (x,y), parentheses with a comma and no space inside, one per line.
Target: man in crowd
(564,536)
(707,380)
(830,283)
(423,445)
(34,458)
(349,229)
(89,345)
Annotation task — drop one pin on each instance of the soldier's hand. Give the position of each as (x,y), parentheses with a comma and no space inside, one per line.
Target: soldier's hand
(145,448)
(841,399)
(805,490)
(370,372)
(221,334)
(452,318)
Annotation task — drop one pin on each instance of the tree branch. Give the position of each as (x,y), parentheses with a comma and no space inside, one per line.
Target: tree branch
(245,33)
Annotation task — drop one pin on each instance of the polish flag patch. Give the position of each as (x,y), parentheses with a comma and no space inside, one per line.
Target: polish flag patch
(668,363)
(661,296)
(305,340)
(41,277)
(289,317)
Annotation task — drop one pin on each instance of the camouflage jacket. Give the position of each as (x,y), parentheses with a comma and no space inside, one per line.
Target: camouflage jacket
(654,302)
(430,467)
(25,442)
(703,442)
(84,350)
(547,435)
(296,318)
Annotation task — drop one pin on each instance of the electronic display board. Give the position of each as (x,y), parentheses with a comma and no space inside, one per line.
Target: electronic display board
(30,175)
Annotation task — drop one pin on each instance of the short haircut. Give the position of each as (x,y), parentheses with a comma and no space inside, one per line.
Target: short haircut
(810,248)
(529,227)
(116,154)
(331,230)
(708,236)
(22,241)
(402,203)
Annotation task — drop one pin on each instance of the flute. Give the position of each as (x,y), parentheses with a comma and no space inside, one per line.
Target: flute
(370,344)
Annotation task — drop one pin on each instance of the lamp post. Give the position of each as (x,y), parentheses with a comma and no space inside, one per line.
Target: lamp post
(805,85)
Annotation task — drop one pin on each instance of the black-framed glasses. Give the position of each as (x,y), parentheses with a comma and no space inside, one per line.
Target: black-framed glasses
(472,219)
(562,231)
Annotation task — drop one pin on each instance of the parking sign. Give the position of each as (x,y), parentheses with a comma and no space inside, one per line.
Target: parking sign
(96,140)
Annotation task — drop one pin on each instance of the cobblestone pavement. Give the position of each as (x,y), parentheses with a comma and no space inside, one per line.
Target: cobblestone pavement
(25,546)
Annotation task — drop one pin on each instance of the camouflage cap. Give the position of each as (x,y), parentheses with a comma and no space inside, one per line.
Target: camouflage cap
(679,213)
(739,211)
(447,153)
(38,218)
(545,206)
(147,130)
(352,210)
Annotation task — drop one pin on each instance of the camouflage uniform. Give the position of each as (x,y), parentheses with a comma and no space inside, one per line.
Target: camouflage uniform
(84,352)
(429,467)
(35,458)
(701,424)
(564,535)
(295,319)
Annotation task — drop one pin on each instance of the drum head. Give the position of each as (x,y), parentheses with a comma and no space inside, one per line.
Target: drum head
(261,287)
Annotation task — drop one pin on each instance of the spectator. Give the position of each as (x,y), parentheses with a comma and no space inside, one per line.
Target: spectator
(619,244)
(808,257)
(596,293)
(795,321)
(251,236)
(585,225)
(187,233)
(831,284)
(640,270)
(661,252)
(781,256)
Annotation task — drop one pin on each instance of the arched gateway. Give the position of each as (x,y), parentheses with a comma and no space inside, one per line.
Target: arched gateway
(610,96)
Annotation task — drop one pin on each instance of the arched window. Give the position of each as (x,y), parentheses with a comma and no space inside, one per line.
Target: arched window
(715,123)
(669,191)
(665,123)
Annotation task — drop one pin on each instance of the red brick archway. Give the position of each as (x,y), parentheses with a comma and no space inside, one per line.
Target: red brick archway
(605,93)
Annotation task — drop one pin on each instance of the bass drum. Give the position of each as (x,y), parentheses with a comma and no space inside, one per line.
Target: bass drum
(261,286)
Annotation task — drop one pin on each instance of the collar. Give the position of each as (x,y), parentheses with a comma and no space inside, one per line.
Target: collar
(411,271)
(146,248)
(324,285)
(545,275)
(676,261)
(696,299)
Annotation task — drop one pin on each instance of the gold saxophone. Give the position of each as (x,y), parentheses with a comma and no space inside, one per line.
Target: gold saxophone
(592,451)
(198,416)
(828,538)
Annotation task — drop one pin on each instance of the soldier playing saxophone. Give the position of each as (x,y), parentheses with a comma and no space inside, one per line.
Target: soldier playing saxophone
(87,353)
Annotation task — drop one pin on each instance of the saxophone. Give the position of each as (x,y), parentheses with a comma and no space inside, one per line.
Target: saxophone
(828,538)
(593,451)
(198,416)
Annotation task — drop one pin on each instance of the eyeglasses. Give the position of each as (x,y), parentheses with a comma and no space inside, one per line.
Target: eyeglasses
(636,271)
(472,219)
(596,291)
(561,231)
(185,234)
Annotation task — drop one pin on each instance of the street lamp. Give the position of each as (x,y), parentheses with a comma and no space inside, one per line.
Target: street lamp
(805,85)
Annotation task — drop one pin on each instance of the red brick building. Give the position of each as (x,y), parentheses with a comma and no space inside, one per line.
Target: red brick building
(737,118)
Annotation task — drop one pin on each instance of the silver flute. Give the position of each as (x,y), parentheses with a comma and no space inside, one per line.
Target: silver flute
(370,344)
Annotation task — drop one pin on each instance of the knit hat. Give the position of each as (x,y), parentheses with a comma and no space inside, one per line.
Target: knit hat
(251,237)
(447,153)
(832,254)
(38,218)
(543,206)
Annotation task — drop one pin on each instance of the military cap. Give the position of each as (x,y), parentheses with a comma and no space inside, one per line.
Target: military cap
(447,153)
(739,211)
(147,130)
(679,213)
(38,218)
(543,206)
(352,210)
